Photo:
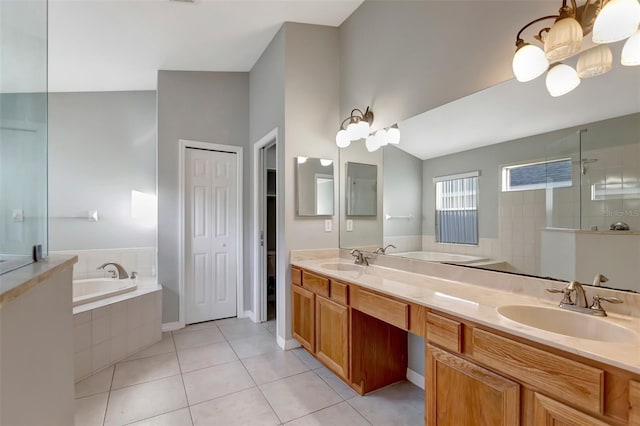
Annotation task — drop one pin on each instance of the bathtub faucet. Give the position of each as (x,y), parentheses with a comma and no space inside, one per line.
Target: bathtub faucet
(122,273)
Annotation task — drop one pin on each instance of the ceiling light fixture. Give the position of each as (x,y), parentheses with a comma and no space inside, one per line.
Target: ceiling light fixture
(610,21)
(358,126)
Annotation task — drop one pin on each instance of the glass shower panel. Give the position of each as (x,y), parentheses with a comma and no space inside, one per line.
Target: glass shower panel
(610,167)
(23,131)
(562,192)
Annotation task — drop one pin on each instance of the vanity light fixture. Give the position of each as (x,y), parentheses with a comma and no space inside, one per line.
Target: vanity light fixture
(325,163)
(608,21)
(358,126)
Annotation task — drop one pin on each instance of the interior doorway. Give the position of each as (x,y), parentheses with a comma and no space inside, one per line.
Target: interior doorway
(270,229)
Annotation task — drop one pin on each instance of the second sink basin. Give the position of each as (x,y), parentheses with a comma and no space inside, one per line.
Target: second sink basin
(567,323)
(343,267)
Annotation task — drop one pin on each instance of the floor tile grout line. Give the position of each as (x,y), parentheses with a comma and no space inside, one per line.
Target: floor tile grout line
(106,407)
(270,406)
(184,388)
(157,415)
(223,396)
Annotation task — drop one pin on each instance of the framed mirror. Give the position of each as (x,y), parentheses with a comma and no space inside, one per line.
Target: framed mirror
(362,189)
(315,183)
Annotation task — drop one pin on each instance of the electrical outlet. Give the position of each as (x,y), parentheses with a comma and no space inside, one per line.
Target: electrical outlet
(17,215)
(349,225)
(327,225)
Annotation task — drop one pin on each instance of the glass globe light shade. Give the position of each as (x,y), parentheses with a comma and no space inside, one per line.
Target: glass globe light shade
(363,129)
(529,62)
(372,143)
(325,162)
(394,135)
(631,51)
(561,79)
(564,39)
(617,20)
(382,138)
(352,131)
(595,61)
(342,139)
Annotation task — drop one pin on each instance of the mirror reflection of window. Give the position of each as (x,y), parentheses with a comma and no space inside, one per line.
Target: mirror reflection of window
(324,195)
(457,208)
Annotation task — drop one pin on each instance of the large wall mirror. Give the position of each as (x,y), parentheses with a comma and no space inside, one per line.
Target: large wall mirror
(314,179)
(541,179)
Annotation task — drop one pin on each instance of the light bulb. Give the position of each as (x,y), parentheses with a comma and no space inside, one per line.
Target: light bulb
(595,61)
(352,131)
(529,62)
(561,79)
(394,135)
(372,143)
(342,139)
(564,39)
(631,51)
(325,163)
(302,160)
(382,138)
(363,129)
(617,20)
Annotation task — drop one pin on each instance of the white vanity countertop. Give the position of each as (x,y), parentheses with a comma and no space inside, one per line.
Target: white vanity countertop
(479,304)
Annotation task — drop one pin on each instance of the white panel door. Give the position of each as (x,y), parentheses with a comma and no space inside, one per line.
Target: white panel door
(211,235)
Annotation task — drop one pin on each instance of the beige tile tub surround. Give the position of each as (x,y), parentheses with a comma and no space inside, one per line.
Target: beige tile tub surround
(139,259)
(475,294)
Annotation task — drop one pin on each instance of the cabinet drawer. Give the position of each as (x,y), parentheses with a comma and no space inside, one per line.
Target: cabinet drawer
(444,332)
(382,307)
(296,276)
(315,283)
(339,292)
(557,376)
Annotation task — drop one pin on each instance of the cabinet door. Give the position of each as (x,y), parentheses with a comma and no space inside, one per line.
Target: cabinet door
(303,317)
(332,335)
(548,412)
(460,393)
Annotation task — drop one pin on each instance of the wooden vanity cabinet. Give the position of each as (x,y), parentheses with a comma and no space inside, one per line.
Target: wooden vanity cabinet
(303,314)
(458,392)
(332,335)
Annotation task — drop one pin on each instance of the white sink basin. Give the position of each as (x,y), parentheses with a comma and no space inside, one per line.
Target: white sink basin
(343,267)
(567,323)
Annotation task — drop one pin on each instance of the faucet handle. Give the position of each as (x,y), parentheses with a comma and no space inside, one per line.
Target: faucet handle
(596,303)
(566,293)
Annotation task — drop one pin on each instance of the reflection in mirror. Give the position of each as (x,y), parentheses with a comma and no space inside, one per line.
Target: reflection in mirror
(314,177)
(547,192)
(361,189)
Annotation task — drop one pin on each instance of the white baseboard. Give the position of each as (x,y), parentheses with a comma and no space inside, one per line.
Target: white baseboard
(171,326)
(287,344)
(415,378)
(250,315)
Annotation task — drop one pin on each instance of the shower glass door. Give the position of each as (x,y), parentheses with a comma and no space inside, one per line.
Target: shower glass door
(23,131)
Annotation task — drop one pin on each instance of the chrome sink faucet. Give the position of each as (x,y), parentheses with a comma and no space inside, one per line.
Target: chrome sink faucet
(122,273)
(580,302)
(381,250)
(361,259)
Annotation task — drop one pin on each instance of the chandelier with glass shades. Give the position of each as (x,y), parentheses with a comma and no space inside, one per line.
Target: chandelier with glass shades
(358,126)
(609,21)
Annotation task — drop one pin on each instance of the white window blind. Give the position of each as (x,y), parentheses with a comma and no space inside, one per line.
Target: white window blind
(457,210)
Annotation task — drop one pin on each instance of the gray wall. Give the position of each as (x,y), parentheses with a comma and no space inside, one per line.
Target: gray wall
(102,146)
(406,57)
(206,107)
(402,192)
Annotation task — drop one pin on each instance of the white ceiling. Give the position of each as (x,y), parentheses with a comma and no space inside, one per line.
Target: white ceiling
(109,45)
(513,110)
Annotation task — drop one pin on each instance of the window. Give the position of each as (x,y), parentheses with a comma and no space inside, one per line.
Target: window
(541,175)
(457,208)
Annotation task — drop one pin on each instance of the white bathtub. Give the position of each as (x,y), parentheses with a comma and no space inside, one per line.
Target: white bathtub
(435,256)
(92,289)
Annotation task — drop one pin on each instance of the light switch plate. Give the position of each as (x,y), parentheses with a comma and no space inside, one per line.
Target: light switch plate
(328,223)
(349,225)
(17,215)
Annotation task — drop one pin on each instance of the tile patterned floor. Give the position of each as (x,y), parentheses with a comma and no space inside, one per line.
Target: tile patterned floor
(231,372)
